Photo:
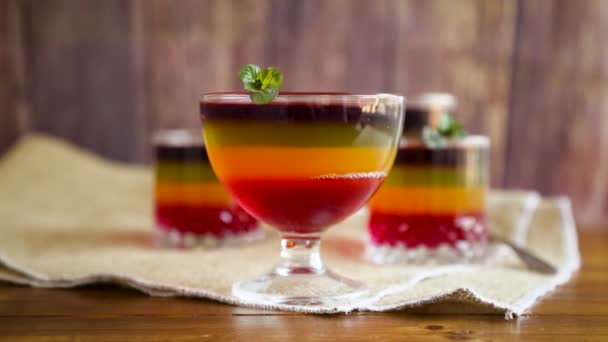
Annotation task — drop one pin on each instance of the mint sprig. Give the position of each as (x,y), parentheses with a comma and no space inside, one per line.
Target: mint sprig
(263,85)
(447,128)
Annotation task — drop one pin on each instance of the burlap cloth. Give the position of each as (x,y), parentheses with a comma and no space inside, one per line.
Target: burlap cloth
(68,218)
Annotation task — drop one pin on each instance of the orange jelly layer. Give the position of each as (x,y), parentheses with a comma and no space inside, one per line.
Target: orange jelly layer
(428,200)
(192,194)
(273,162)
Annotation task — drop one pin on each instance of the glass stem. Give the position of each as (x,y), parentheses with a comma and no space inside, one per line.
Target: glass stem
(300,254)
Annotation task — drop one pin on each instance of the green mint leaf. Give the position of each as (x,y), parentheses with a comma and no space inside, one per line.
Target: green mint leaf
(250,86)
(263,85)
(432,138)
(445,123)
(263,97)
(458,130)
(447,128)
(271,77)
(248,73)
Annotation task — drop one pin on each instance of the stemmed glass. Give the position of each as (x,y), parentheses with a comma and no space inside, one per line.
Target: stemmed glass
(301,163)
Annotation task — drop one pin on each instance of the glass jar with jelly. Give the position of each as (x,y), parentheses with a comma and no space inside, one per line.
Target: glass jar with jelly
(192,208)
(432,206)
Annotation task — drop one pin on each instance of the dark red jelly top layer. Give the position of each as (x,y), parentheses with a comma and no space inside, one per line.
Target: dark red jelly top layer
(415,119)
(447,156)
(181,153)
(293,112)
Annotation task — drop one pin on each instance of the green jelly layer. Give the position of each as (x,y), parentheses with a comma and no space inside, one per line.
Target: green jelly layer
(304,134)
(185,172)
(431,176)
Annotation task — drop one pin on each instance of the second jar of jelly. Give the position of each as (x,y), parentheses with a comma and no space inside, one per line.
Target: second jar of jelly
(192,208)
(432,206)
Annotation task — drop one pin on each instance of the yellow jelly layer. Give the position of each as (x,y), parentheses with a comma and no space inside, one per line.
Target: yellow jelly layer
(194,194)
(274,162)
(428,200)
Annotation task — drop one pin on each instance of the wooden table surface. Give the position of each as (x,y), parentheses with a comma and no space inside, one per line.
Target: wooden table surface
(577,311)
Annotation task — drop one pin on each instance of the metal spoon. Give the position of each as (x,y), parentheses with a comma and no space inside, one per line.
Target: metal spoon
(532,261)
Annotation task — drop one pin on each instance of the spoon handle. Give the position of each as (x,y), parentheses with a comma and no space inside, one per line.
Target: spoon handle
(532,261)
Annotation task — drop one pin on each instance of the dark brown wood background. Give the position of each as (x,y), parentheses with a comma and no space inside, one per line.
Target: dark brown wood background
(532,74)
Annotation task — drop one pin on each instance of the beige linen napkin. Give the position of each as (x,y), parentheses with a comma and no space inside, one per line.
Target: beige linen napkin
(68,218)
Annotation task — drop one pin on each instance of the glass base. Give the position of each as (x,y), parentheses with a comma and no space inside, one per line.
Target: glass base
(461,252)
(173,238)
(299,289)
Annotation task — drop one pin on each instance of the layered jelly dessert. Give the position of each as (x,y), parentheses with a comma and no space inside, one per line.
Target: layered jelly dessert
(432,205)
(300,167)
(192,208)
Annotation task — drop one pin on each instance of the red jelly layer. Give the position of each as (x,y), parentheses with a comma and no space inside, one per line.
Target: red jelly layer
(427,230)
(305,205)
(204,220)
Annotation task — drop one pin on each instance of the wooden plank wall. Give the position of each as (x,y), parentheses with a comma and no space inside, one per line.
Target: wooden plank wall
(558,122)
(531,74)
(79,59)
(9,84)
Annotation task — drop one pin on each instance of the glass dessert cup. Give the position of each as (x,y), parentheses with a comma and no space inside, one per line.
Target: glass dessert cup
(432,206)
(302,163)
(192,208)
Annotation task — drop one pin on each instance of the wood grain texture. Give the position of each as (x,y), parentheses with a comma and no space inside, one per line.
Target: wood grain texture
(182,51)
(358,46)
(330,45)
(194,48)
(558,134)
(530,74)
(576,311)
(80,66)
(464,49)
(10,79)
